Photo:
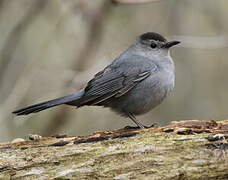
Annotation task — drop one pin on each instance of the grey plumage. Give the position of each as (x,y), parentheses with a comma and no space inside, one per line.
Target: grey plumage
(134,83)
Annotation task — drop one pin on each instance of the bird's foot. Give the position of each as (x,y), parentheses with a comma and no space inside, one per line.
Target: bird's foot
(131,127)
(141,127)
(152,125)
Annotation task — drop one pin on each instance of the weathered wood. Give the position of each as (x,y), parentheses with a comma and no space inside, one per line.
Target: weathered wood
(181,150)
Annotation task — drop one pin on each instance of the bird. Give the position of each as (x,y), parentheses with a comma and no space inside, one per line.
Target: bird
(132,84)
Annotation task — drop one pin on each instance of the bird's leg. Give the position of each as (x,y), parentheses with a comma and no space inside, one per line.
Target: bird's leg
(139,124)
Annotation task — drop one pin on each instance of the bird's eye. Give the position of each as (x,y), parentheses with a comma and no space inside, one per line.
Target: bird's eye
(153,45)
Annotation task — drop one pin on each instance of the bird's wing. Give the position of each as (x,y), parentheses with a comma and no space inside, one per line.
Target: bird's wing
(112,82)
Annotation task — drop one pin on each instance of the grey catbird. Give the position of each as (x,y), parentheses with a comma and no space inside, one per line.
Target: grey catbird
(134,83)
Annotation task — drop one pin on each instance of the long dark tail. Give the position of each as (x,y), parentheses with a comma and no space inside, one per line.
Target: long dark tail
(72,99)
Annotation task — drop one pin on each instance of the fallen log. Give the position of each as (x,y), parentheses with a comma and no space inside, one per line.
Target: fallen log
(191,149)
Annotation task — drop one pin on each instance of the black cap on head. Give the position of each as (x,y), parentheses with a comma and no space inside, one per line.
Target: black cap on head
(152,36)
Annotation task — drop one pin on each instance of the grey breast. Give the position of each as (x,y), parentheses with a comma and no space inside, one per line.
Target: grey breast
(149,93)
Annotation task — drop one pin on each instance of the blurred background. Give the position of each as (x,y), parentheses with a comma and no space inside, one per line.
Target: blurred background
(52,48)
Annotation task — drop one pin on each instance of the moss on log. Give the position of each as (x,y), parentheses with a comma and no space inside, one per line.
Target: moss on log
(181,150)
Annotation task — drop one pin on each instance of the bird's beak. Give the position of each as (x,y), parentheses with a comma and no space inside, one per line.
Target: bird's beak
(170,44)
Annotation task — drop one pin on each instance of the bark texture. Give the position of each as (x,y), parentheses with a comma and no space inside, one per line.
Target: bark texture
(182,150)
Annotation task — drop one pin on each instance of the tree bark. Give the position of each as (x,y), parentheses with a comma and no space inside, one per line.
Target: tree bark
(182,150)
